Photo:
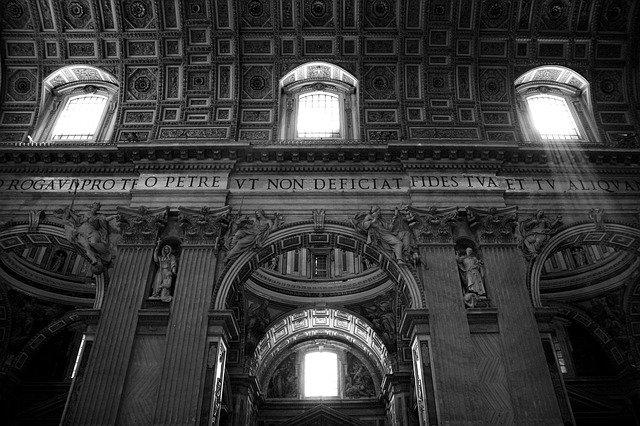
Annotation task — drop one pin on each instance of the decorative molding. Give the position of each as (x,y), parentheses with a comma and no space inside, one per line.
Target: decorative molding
(205,225)
(141,225)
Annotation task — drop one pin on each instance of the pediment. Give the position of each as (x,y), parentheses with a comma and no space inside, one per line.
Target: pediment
(322,415)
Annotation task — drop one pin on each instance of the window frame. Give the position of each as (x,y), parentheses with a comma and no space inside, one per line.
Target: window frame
(577,103)
(290,101)
(326,93)
(57,101)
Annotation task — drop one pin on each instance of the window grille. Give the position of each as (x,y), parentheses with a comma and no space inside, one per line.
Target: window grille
(552,118)
(318,115)
(80,118)
(320,266)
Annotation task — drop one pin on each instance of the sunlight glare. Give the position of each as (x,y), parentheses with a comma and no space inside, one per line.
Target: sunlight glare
(321,374)
(80,118)
(552,118)
(318,115)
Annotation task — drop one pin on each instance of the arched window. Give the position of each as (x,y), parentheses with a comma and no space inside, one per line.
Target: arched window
(319,100)
(554,104)
(78,105)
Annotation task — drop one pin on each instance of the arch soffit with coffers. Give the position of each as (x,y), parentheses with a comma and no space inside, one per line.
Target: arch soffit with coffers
(595,330)
(620,236)
(291,237)
(319,323)
(57,290)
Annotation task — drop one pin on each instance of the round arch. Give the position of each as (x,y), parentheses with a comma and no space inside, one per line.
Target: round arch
(600,335)
(615,235)
(314,71)
(59,290)
(44,336)
(77,73)
(298,235)
(319,323)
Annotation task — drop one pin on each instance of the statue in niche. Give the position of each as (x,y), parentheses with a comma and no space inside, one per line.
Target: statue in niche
(284,382)
(58,260)
(258,319)
(248,233)
(535,232)
(579,256)
(472,275)
(359,383)
(94,232)
(597,216)
(394,236)
(167,269)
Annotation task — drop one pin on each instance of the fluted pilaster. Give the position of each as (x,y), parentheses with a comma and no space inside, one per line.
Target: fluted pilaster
(104,379)
(451,344)
(530,387)
(182,373)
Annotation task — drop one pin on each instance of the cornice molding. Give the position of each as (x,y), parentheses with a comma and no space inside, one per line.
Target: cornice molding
(258,158)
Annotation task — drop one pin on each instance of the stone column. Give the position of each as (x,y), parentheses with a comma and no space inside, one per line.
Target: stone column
(183,369)
(245,399)
(529,384)
(415,324)
(454,370)
(396,391)
(99,396)
(454,373)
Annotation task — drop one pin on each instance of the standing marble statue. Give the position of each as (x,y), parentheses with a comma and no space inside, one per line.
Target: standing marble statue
(167,269)
(248,233)
(534,233)
(472,274)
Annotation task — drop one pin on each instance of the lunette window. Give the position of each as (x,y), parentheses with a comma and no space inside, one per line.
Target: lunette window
(318,115)
(551,118)
(554,105)
(78,106)
(79,118)
(318,100)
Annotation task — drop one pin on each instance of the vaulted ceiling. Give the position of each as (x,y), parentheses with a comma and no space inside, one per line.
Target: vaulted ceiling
(209,69)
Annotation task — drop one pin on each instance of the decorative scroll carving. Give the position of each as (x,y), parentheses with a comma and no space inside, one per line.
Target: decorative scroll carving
(394,236)
(96,233)
(203,225)
(167,269)
(142,225)
(318,220)
(245,233)
(472,275)
(432,225)
(535,232)
(35,216)
(495,225)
